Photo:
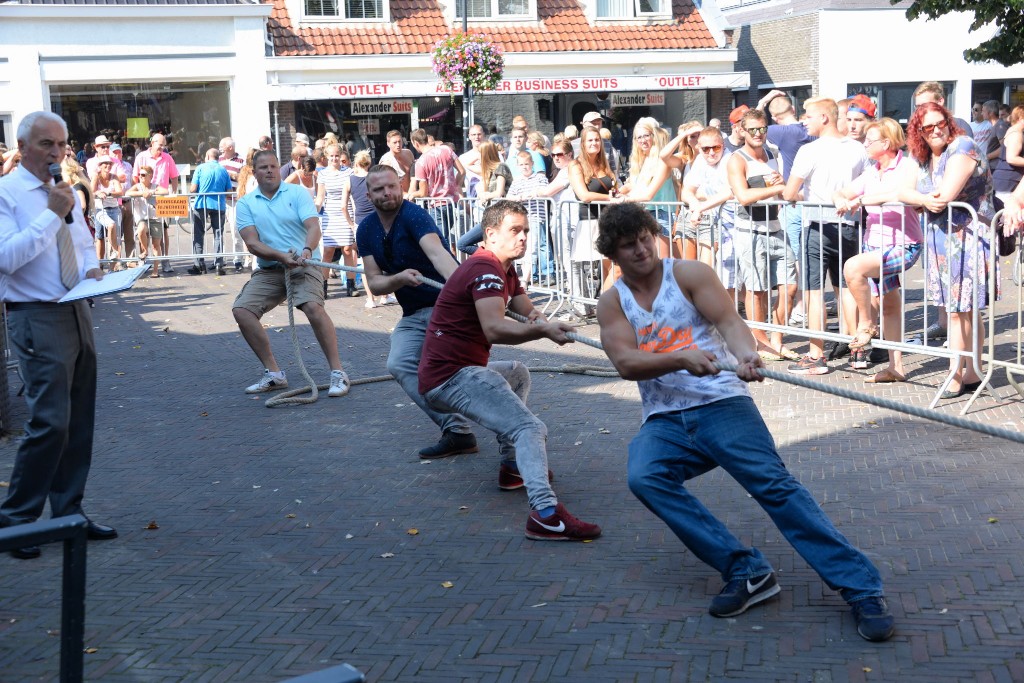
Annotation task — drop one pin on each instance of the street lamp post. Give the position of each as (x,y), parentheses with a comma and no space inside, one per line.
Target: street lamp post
(467,91)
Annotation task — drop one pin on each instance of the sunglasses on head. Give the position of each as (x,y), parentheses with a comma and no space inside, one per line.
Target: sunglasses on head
(927,130)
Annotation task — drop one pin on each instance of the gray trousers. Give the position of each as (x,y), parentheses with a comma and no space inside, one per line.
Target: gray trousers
(57,358)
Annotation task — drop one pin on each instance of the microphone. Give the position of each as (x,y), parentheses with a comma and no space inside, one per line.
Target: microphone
(54,170)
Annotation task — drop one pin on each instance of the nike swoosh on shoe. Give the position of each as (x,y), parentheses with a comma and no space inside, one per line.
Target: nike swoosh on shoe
(560,527)
(753,587)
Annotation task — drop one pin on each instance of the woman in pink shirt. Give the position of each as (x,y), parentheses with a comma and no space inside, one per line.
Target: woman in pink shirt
(892,242)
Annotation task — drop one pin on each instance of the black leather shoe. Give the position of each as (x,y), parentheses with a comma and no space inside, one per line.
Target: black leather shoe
(29,552)
(221,271)
(99,532)
(196,271)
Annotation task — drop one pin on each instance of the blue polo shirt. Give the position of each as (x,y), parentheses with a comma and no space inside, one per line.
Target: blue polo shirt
(211,181)
(278,220)
(400,249)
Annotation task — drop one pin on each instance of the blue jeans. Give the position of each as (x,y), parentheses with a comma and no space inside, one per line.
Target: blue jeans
(542,262)
(199,218)
(495,398)
(403,364)
(470,242)
(444,218)
(672,448)
(791,221)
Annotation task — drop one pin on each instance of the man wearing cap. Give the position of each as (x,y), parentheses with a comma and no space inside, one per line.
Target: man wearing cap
(734,140)
(859,113)
(232,162)
(123,170)
(102,145)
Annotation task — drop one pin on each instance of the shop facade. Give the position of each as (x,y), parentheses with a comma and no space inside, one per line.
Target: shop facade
(191,72)
(358,78)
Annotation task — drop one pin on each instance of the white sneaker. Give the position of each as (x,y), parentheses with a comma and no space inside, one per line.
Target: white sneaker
(268,382)
(390,299)
(339,384)
(370,303)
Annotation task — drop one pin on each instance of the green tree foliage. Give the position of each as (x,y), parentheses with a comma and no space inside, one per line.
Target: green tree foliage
(1006,47)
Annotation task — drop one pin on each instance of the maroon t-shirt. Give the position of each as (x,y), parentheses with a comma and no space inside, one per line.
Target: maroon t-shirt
(455,339)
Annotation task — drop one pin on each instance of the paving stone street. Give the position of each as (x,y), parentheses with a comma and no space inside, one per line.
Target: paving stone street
(288,540)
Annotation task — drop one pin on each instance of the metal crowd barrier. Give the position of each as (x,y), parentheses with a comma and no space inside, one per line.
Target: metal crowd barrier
(72,531)
(179,230)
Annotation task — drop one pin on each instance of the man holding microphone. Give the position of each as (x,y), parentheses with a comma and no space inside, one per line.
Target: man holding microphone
(45,250)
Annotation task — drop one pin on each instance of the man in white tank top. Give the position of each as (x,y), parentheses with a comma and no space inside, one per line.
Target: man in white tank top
(663,324)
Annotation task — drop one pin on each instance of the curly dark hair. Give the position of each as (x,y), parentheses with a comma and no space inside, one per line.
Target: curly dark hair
(623,221)
(916,144)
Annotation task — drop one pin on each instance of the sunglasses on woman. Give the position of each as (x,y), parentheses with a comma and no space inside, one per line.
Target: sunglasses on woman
(941,125)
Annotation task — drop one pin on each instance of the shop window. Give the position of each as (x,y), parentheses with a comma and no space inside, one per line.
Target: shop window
(496,9)
(193,116)
(345,9)
(630,9)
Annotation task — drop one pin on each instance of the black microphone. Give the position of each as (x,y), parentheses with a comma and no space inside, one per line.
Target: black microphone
(58,177)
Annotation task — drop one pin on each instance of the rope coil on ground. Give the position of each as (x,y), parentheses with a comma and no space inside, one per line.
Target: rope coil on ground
(289,397)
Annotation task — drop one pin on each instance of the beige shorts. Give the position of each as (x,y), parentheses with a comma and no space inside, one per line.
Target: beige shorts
(265,290)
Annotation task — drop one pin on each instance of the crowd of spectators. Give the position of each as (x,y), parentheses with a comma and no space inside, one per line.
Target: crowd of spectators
(875,198)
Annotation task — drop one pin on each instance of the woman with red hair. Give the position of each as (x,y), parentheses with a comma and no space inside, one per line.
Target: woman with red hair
(954,169)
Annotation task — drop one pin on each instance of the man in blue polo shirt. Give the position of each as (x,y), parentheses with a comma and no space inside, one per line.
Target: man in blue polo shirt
(210,185)
(279,224)
(399,241)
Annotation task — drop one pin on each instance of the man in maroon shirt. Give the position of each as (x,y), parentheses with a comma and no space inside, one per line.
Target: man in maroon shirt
(455,376)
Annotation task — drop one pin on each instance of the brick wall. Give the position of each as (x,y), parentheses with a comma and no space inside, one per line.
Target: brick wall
(779,51)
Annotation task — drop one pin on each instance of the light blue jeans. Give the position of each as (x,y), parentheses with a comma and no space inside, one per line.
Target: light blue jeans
(672,448)
(404,363)
(495,397)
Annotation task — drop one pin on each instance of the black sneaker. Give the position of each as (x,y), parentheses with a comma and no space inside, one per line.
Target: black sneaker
(238,266)
(874,622)
(451,443)
(836,350)
(739,595)
(877,355)
(195,270)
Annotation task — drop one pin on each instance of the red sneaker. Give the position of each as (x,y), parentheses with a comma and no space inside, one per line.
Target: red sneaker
(560,526)
(509,478)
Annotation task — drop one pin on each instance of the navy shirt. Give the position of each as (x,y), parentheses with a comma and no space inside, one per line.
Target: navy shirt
(788,138)
(400,249)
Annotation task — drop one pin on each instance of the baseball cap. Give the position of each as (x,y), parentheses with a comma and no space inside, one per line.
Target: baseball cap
(101,140)
(590,116)
(302,137)
(738,113)
(864,105)
(115,147)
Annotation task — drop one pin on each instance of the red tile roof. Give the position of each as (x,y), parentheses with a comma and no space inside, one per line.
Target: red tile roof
(418,24)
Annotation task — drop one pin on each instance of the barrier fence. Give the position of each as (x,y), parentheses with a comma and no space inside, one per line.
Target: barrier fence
(753,250)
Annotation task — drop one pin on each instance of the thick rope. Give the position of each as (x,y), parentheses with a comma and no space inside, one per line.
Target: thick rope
(888,404)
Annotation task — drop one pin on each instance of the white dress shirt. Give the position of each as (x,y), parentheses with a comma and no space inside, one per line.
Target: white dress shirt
(29,261)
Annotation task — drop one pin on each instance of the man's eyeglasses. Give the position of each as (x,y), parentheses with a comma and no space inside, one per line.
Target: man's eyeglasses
(758,130)
(930,128)
(711,148)
(102,146)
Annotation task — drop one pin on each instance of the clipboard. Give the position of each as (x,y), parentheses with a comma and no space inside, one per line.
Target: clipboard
(111,283)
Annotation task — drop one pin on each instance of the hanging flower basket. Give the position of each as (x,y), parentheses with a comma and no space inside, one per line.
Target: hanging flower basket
(468,60)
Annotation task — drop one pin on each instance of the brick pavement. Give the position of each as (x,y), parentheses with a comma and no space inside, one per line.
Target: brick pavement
(272,525)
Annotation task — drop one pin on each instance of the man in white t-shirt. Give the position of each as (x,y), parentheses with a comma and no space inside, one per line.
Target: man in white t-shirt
(820,169)
(471,160)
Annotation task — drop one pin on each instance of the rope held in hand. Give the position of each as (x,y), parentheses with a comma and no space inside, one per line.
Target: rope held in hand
(599,371)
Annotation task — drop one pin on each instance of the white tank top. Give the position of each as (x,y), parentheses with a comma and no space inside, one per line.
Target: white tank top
(674,324)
